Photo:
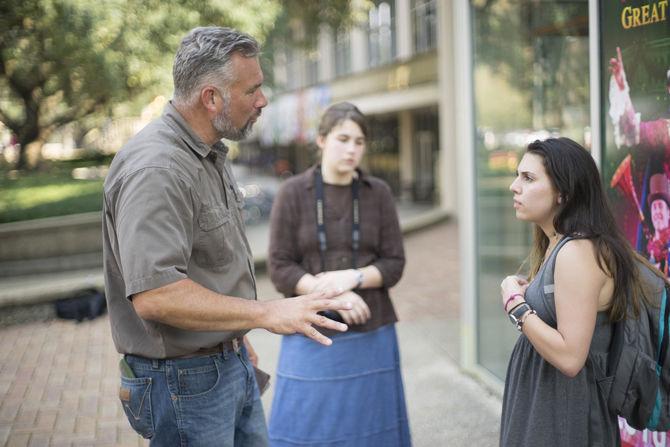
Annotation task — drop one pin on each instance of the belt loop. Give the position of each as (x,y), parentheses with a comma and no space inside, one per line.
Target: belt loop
(154,363)
(236,345)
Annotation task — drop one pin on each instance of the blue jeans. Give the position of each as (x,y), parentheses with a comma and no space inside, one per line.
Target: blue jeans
(203,401)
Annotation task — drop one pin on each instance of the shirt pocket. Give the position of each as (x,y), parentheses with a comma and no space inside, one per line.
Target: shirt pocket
(214,246)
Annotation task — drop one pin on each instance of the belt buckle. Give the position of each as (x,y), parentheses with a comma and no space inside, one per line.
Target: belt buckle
(236,345)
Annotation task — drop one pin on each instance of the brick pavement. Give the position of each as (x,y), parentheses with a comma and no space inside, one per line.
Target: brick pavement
(59,380)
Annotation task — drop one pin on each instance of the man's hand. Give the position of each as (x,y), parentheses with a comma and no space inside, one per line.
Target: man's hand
(342,280)
(359,313)
(297,315)
(251,353)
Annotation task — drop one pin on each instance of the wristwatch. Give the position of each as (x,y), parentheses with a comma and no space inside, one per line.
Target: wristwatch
(517,312)
(359,282)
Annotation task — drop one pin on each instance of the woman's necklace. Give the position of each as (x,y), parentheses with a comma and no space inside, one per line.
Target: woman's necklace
(553,240)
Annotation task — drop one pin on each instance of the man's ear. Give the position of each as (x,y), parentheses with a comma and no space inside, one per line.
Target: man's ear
(208,98)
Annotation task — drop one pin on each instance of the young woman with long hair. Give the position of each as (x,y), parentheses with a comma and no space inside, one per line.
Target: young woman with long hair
(583,276)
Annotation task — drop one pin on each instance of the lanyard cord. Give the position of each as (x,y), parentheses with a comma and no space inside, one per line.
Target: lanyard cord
(321,225)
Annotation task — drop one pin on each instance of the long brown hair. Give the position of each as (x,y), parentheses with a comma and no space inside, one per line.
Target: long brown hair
(585,213)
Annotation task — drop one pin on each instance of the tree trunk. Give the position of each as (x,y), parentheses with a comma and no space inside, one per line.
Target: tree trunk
(30,150)
(28,133)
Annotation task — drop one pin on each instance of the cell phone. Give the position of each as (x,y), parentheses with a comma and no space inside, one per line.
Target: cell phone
(262,379)
(126,370)
(333,315)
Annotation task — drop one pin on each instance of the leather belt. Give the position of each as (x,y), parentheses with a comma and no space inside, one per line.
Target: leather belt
(233,345)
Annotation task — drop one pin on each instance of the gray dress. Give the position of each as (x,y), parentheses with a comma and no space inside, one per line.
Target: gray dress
(543,407)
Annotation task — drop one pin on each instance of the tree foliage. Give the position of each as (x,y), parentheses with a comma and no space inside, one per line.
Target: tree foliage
(64,61)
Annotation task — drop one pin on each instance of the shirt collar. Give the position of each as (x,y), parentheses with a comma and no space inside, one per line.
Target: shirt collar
(176,121)
(309,177)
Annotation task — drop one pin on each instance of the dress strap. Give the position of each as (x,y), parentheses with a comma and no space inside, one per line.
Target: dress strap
(547,280)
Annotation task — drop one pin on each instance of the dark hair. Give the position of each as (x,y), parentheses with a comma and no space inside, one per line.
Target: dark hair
(584,213)
(340,112)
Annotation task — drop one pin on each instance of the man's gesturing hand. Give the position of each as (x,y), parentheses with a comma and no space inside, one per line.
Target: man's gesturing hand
(299,314)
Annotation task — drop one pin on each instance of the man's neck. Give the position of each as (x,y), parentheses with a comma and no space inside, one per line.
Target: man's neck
(199,123)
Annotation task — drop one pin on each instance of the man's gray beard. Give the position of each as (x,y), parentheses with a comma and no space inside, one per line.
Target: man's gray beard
(223,125)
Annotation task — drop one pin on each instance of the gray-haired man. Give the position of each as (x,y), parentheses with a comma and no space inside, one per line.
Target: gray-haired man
(178,270)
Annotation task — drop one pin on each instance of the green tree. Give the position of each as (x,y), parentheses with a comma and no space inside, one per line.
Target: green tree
(64,61)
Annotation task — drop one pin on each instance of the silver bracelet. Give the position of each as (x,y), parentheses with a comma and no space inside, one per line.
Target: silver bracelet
(523,318)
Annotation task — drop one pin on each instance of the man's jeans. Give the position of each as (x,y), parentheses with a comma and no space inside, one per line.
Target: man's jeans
(203,401)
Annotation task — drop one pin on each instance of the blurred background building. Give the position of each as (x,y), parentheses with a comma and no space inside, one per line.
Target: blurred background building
(455,89)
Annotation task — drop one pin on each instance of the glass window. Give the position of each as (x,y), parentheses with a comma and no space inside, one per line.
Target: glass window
(312,67)
(425,155)
(342,43)
(424,25)
(382,153)
(381,33)
(531,81)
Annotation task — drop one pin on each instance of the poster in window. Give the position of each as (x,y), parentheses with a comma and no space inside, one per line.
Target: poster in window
(635,117)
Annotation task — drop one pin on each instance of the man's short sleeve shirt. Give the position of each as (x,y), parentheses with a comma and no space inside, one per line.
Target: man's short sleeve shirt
(171,211)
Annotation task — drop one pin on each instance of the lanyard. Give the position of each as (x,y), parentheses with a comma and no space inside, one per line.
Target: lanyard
(321,226)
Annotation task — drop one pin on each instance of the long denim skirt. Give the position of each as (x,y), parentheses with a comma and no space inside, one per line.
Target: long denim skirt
(347,394)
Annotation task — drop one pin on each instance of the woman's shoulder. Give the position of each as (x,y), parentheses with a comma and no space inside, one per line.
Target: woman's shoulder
(579,255)
(576,247)
(296,182)
(376,183)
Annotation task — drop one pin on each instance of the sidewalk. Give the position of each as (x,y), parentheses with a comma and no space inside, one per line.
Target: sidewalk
(59,381)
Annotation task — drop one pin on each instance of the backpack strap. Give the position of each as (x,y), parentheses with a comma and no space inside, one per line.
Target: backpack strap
(547,280)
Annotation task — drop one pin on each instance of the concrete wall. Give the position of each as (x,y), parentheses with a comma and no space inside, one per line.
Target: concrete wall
(51,245)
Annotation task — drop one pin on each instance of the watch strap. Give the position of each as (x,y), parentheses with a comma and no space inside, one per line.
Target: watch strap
(360,279)
(517,312)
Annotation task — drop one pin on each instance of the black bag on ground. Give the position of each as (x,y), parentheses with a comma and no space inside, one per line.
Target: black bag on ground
(640,362)
(86,304)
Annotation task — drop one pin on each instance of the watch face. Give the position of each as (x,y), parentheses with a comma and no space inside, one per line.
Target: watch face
(518,312)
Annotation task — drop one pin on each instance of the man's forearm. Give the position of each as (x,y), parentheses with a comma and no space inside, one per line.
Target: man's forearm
(187,305)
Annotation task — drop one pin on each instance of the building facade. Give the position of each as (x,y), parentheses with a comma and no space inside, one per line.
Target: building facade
(388,67)
(455,90)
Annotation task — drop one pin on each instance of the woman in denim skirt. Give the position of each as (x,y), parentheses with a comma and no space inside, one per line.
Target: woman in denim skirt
(334,227)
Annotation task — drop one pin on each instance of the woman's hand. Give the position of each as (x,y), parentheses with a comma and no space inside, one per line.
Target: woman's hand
(340,280)
(359,313)
(510,286)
